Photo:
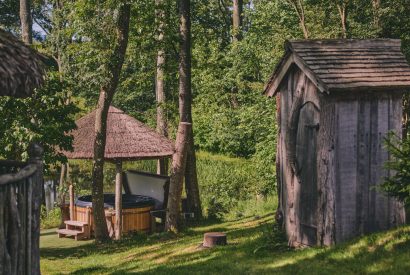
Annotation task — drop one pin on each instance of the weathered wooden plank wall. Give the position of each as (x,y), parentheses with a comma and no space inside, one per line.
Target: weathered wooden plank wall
(326,161)
(362,124)
(350,160)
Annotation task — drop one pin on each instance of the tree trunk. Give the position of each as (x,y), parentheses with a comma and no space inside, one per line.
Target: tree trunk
(106,95)
(26,22)
(300,11)
(61,194)
(237,20)
(61,40)
(191,180)
(342,8)
(185,102)
(172,223)
(162,127)
(376,14)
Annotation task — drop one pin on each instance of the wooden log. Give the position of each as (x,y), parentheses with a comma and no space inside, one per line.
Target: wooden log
(177,172)
(13,229)
(212,239)
(118,200)
(22,193)
(36,154)
(29,219)
(3,244)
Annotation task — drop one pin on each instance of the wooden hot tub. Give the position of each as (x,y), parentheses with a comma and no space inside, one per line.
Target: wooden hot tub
(135,212)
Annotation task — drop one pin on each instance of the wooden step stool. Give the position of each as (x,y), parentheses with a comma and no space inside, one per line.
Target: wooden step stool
(79,229)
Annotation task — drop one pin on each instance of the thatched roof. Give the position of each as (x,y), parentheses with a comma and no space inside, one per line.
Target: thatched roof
(127,138)
(346,65)
(21,68)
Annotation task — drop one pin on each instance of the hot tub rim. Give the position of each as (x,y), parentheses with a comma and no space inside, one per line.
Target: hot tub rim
(85,201)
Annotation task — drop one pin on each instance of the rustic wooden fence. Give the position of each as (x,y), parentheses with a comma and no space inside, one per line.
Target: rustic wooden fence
(21,186)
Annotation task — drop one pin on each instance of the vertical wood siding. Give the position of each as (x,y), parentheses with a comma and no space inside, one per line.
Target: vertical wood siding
(363,123)
(346,168)
(350,164)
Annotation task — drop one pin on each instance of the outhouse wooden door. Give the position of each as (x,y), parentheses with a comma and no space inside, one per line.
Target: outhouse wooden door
(306,152)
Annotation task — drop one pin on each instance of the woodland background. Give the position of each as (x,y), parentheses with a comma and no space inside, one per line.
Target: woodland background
(234,124)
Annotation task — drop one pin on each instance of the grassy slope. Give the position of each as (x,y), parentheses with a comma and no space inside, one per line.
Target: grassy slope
(251,249)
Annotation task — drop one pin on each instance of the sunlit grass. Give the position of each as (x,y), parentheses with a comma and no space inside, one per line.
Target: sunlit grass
(254,248)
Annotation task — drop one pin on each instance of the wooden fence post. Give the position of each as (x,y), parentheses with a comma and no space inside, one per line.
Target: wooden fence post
(36,158)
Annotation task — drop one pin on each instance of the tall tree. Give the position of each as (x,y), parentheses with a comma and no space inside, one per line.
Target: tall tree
(107,92)
(342,7)
(26,22)
(300,11)
(237,19)
(185,104)
(173,223)
(376,14)
(162,126)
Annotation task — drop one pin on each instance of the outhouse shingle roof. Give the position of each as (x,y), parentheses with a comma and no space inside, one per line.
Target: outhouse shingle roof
(338,65)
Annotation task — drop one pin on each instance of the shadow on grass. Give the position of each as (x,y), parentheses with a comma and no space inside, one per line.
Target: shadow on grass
(48,233)
(379,255)
(255,246)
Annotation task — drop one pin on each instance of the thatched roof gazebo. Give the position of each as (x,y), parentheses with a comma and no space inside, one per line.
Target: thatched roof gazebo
(126,139)
(21,67)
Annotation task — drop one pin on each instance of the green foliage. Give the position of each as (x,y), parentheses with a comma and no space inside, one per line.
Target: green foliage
(224,182)
(45,118)
(51,219)
(398,184)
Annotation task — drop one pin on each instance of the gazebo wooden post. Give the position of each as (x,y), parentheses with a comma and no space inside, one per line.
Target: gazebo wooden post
(71,194)
(118,200)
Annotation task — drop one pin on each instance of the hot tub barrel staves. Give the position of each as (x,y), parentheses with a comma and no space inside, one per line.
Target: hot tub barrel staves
(337,100)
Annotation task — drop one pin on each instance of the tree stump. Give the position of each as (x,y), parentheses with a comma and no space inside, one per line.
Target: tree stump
(212,239)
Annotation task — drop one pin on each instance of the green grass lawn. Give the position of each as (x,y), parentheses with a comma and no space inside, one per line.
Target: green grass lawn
(254,248)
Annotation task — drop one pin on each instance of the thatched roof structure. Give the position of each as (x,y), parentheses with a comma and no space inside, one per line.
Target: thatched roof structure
(127,139)
(21,68)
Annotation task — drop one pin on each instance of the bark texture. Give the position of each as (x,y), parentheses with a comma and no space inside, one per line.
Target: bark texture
(173,217)
(237,20)
(61,193)
(185,102)
(106,95)
(26,22)
(162,127)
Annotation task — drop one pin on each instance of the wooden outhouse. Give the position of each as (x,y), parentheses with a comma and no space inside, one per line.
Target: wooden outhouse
(336,101)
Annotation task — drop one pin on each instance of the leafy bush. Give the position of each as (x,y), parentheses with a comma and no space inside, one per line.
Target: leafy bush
(224,181)
(398,184)
(51,219)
